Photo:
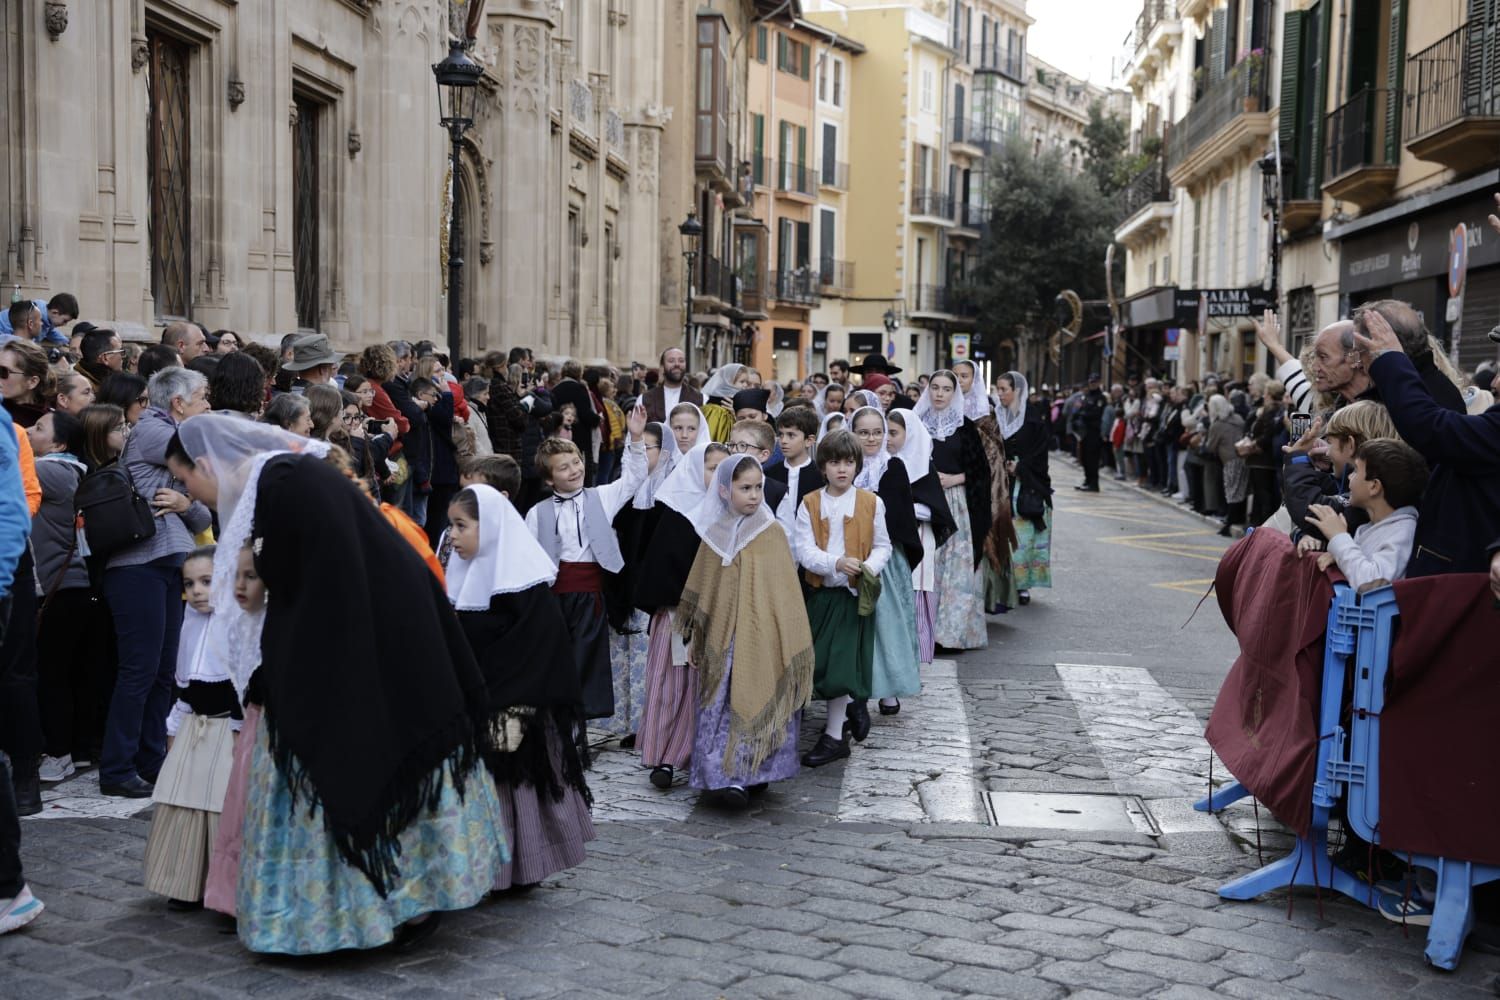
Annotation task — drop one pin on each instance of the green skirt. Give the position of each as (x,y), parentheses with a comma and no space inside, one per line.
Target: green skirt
(843,643)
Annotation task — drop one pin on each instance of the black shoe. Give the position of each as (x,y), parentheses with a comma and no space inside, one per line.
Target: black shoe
(627,742)
(859,720)
(891,709)
(184,905)
(28,786)
(1087,489)
(132,788)
(826,751)
(414,932)
(1226,531)
(1024,597)
(661,776)
(732,797)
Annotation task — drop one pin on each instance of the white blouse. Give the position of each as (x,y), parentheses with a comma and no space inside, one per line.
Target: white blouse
(824,562)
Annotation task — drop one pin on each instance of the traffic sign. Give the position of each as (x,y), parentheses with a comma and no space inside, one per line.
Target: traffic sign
(1458,259)
(960,348)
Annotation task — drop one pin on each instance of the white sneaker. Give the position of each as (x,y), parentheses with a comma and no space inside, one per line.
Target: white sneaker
(55,769)
(20,911)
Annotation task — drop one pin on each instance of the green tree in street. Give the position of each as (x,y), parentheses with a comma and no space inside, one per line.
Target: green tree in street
(1105,141)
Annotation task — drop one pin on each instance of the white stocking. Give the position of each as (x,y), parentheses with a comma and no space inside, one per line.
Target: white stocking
(837,711)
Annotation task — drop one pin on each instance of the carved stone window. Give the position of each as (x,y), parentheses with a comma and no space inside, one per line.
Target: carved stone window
(307,211)
(167,145)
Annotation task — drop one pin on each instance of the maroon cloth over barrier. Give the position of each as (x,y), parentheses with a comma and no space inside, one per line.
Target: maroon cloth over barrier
(1439,732)
(1264,722)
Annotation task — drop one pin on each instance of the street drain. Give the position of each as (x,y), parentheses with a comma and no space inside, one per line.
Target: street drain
(1085,812)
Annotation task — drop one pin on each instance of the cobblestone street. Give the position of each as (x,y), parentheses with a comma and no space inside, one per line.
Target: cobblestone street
(1024,829)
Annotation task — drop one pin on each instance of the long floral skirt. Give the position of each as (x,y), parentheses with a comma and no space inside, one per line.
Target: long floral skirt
(627,661)
(999,587)
(710,769)
(896,649)
(1032,560)
(545,836)
(298,896)
(671,701)
(960,587)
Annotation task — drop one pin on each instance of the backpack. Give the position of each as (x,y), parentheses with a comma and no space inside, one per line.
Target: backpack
(113,515)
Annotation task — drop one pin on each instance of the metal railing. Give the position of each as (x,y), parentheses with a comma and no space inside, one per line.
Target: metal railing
(799,287)
(994,58)
(929,298)
(1353,135)
(969,216)
(1243,90)
(961,299)
(752,292)
(836,275)
(1153,13)
(925,202)
(792,177)
(1147,186)
(762,170)
(1456,77)
(836,177)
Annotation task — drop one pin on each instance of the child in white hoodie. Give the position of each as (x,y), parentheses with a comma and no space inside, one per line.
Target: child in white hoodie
(1387,483)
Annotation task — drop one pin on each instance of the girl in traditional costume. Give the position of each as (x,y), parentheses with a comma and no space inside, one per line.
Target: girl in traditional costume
(1024,428)
(908,439)
(964,472)
(746,626)
(500,580)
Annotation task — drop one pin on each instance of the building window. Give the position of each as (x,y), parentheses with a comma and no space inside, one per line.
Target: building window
(831,81)
(758,161)
(830,154)
(760,43)
(926,89)
(575,273)
(827,227)
(793,57)
(711,125)
(167,145)
(610,271)
(785,245)
(306,209)
(823,80)
(838,83)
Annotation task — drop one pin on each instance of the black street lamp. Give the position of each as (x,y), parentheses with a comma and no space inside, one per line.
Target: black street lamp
(691,231)
(1270,192)
(458,89)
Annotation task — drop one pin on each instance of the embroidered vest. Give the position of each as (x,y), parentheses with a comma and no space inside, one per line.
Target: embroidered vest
(597,531)
(859,530)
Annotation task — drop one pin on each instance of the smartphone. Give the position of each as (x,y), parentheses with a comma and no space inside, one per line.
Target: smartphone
(1301,424)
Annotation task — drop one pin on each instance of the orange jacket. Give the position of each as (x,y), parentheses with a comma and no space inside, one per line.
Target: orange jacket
(29,481)
(415,537)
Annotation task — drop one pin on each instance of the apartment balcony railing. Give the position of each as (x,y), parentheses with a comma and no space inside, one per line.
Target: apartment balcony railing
(932,204)
(834,174)
(1153,13)
(1452,107)
(1148,186)
(1359,163)
(716,280)
(795,179)
(929,299)
(994,58)
(969,216)
(751,289)
(1242,91)
(799,287)
(836,275)
(961,299)
(762,170)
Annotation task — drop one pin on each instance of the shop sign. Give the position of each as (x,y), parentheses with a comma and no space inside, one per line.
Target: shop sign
(1221,303)
(1421,247)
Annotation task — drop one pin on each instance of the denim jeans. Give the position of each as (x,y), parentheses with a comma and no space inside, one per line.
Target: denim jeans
(146,602)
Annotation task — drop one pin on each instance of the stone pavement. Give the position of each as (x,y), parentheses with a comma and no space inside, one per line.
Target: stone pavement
(938,862)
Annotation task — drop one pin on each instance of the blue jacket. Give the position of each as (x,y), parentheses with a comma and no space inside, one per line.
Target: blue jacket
(49,333)
(1460,511)
(15,516)
(145,458)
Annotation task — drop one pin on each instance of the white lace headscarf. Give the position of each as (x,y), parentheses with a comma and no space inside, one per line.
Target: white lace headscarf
(941,423)
(872,467)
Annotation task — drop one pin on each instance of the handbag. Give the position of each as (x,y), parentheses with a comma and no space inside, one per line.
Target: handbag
(112,515)
(1030,503)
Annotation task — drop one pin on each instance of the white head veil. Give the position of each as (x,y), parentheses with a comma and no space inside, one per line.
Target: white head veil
(829,418)
(941,423)
(777,402)
(721,385)
(684,487)
(820,401)
(509,560)
(866,397)
(1013,416)
(916,453)
(718,525)
(871,467)
(977,404)
(235,450)
(703,435)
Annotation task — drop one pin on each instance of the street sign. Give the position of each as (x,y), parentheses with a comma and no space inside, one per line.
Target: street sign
(960,348)
(1458,259)
(1173,349)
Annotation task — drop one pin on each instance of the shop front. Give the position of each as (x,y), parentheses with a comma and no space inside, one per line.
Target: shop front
(1405,255)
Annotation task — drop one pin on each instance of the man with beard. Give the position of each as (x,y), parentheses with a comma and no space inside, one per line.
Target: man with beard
(672,389)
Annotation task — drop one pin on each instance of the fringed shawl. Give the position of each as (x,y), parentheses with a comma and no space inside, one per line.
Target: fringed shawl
(755,603)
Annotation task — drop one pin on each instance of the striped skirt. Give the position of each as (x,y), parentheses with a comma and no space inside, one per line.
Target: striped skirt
(545,836)
(669,721)
(926,615)
(177,851)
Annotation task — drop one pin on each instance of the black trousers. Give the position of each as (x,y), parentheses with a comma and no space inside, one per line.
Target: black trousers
(1264,495)
(11,881)
(20,720)
(1093,449)
(74,672)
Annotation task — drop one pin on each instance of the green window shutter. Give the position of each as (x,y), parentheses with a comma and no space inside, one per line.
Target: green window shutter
(806,50)
(1395,68)
(780,51)
(758,167)
(801,147)
(1320,119)
(1217,32)
(1291,60)
(760,43)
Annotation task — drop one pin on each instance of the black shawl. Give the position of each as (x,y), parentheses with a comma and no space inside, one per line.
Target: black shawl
(369,688)
(929,491)
(965,450)
(894,491)
(521,644)
(666,562)
(1027,447)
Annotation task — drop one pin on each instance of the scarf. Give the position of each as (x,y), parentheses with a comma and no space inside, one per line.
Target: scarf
(1013,416)
(941,423)
(755,603)
(363,720)
(871,467)
(509,560)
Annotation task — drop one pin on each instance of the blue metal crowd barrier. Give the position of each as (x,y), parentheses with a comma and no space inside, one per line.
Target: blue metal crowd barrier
(1361,628)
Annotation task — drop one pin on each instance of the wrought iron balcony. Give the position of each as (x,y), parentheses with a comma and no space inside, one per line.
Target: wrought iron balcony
(834,174)
(1153,13)
(794,178)
(1242,91)
(931,204)
(1359,147)
(799,287)
(929,299)
(836,275)
(1452,108)
(762,170)
(994,58)
(717,281)
(967,215)
(1147,186)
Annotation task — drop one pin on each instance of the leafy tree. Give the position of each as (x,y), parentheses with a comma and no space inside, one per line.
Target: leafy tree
(1105,141)
(1049,229)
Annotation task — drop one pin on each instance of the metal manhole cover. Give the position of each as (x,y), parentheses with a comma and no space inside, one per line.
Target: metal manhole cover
(1085,812)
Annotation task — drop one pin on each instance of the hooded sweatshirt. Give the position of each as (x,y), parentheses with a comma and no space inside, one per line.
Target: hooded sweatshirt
(1376,551)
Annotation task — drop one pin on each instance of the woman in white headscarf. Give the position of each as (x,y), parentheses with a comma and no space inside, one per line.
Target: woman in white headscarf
(831,422)
(859,398)
(743,618)
(964,472)
(908,439)
(896,649)
(830,399)
(666,733)
(1026,432)
(500,582)
(718,396)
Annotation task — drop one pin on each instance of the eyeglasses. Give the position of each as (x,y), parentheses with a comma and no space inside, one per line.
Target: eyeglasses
(6,373)
(351,418)
(868,433)
(740,448)
(143,399)
(117,350)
